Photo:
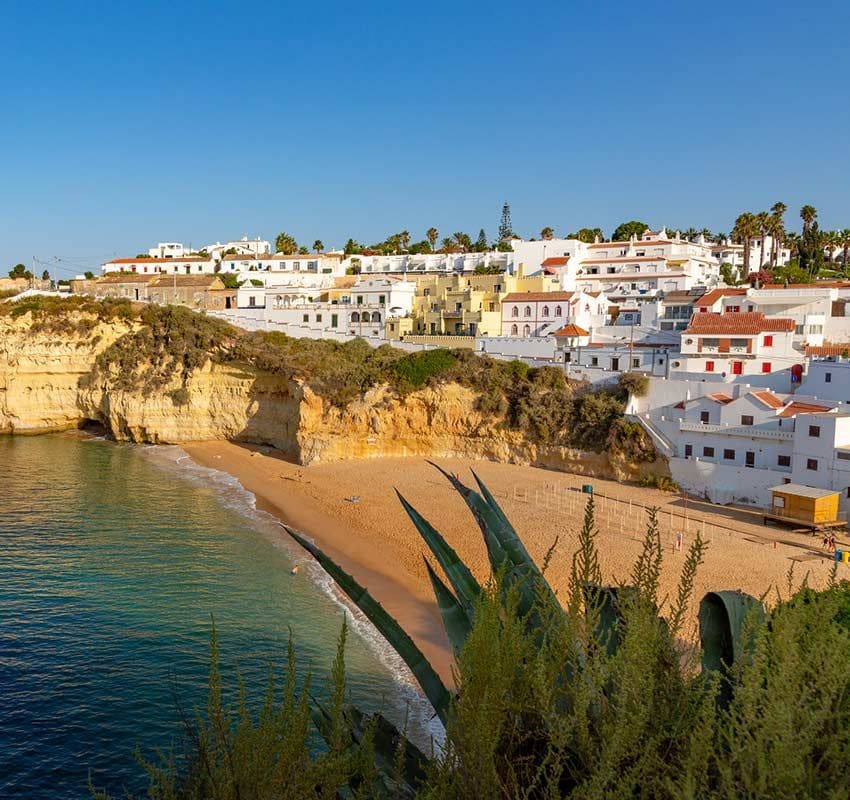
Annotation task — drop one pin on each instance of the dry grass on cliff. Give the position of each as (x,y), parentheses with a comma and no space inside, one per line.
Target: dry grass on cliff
(169,343)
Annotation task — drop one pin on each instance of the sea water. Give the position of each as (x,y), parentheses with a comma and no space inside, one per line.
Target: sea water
(114,559)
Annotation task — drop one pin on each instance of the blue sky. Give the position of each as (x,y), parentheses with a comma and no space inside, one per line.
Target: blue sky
(128,124)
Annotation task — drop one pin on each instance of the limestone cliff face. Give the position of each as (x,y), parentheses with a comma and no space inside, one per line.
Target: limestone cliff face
(48,382)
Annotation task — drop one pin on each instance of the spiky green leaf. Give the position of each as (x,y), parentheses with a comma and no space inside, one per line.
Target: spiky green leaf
(422,670)
(454,616)
(466,588)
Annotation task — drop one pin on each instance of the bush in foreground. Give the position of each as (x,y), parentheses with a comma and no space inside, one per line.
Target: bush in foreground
(594,695)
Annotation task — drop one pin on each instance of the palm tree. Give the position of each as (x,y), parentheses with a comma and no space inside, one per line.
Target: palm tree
(447,245)
(746,228)
(763,224)
(285,243)
(777,230)
(845,245)
(547,233)
(832,241)
(808,214)
(431,235)
(463,241)
(318,245)
(404,239)
(690,234)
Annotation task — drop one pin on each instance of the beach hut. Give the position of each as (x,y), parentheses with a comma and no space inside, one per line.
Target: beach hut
(804,505)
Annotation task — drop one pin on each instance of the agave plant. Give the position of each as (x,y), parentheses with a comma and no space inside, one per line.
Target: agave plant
(528,597)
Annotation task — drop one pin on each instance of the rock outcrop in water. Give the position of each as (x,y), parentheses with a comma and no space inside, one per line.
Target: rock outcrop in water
(49,382)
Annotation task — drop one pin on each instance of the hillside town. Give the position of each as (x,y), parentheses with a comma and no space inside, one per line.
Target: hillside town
(748,377)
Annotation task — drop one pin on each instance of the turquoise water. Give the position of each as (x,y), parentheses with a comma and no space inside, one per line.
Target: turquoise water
(112,560)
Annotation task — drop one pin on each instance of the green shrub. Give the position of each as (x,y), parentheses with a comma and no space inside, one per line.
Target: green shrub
(654,481)
(633,383)
(417,369)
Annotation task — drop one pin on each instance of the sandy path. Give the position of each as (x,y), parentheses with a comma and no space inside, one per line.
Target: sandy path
(374,540)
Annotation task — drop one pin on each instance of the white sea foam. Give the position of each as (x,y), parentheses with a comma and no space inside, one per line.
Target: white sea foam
(423,726)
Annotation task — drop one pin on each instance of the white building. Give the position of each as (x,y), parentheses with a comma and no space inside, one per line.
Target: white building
(185,265)
(168,250)
(737,347)
(243,246)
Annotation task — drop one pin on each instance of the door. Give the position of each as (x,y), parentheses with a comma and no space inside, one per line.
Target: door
(750,459)
(737,367)
(615,364)
(689,450)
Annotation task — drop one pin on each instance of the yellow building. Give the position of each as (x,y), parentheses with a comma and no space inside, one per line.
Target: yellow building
(805,505)
(468,304)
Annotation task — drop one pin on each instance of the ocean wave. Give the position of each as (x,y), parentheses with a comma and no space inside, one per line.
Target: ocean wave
(410,703)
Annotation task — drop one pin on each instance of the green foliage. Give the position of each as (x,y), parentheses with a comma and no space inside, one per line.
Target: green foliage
(728,275)
(654,481)
(285,243)
(587,235)
(626,230)
(633,383)
(229,280)
(416,369)
(20,271)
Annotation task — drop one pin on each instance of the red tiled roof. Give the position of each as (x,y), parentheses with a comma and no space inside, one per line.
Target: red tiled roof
(555,261)
(744,323)
(714,295)
(719,397)
(795,407)
(767,398)
(827,349)
(571,330)
(818,285)
(536,297)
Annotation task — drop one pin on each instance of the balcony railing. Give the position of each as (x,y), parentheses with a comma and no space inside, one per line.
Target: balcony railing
(750,431)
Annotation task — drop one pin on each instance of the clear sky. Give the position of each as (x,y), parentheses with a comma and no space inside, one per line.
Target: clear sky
(125,124)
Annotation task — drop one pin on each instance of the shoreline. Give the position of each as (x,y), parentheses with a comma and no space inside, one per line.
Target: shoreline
(374,541)
(278,490)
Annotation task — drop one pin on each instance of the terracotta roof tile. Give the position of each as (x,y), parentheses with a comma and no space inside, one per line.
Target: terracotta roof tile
(793,408)
(719,397)
(714,295)
(571,330)
(767,398)
(555,261)
(157,260)
(827,349)
(744,323)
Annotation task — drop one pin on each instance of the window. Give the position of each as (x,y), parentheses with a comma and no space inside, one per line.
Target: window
(334,320)
(746,419)
(798,329)
(355,316)
(766,366)
(703,416)
(545,311)
(709,366)
(359,299)
(739,342)
(594,361)
(842,455)
(526,331)
(768,341)
(252,301)
(527,311)
(306,318)
(557,311)
(827,377)
(514,330)
(812,463)
(514,312)
(635,363)
(783,461)
(381,299)
(689,450)
(708,452)
(729,455)
(318,317)
(814,431)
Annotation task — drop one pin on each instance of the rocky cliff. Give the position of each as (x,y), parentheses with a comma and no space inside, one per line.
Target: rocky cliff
(49,382)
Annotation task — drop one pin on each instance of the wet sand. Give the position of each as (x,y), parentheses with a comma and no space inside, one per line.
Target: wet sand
(373,539)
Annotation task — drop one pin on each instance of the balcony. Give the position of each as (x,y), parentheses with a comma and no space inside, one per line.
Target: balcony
(749,431)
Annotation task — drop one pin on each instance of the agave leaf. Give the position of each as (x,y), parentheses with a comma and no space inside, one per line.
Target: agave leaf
(386,741)
(454,616)
(428,679)
(721,623)
(516,545)
(466,587)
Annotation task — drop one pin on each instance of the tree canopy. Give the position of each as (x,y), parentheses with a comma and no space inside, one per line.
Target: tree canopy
(587,235)
(285,243)
(625,230)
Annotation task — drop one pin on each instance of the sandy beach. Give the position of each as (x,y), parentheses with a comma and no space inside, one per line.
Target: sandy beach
(374,540)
